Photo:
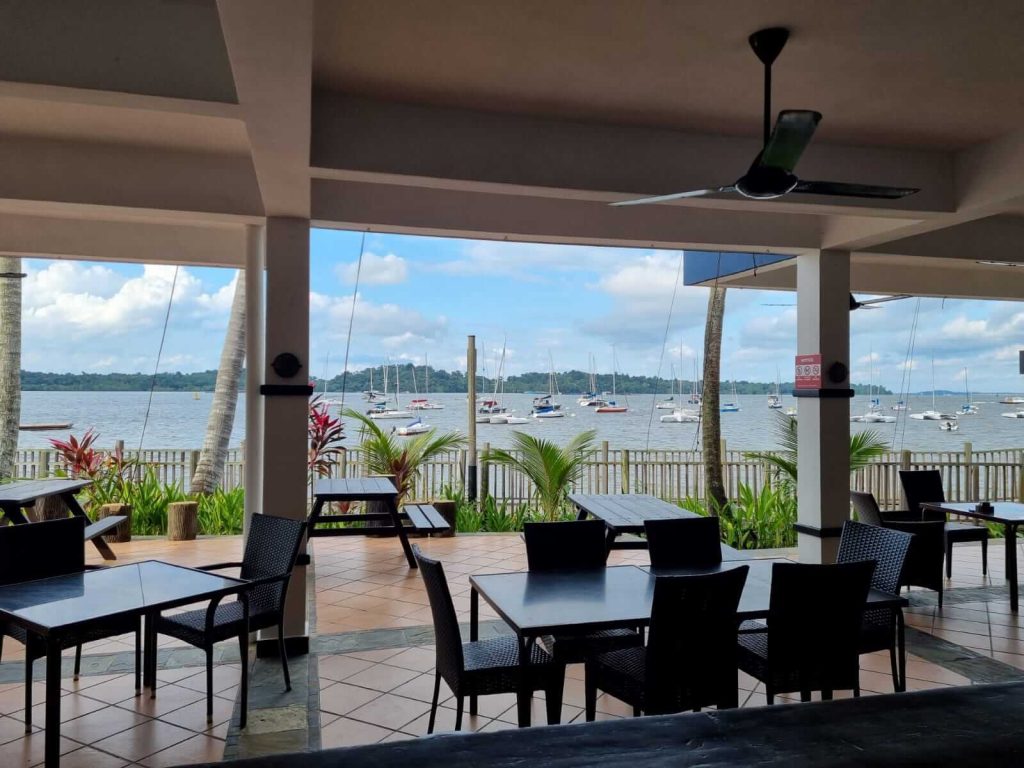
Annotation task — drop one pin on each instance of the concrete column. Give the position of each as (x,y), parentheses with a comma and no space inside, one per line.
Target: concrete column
(823,326)
(285,418)
(254,295)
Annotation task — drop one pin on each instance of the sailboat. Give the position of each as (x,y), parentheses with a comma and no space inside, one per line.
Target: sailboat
(611,406)
(416,427)
(669,403)
(423,403)
(545,406)
(774,398)
(874,414)
(932,414)
(968,408)
(492,409)
(381,410)
(371,395)
(590,398)
(695,395)
(732,406)
(682,415)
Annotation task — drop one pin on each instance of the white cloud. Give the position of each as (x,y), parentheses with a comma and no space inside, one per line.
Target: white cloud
(375,270)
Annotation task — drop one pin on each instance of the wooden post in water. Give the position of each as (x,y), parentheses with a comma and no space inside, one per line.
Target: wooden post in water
(471,411)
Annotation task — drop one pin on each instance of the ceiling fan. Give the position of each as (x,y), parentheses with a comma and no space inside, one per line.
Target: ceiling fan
(771,174)
(857,304)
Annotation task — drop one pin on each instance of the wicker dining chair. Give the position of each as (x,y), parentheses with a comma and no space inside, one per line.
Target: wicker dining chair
(685,542)
(43,550)
(923,566)
(481,667)
(888,549)
(690,658)
(924,485)
(571,546)
(813,638)
(271,548)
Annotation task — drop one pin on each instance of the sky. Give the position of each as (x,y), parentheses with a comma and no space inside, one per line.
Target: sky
(419,297)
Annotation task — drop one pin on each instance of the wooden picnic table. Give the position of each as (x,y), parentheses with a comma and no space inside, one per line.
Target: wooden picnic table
(16,497)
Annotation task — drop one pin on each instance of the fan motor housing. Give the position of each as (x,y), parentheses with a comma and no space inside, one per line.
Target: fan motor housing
(763,183)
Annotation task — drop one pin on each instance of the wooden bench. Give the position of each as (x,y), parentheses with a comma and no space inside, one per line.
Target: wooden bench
(425,518)
(100,527)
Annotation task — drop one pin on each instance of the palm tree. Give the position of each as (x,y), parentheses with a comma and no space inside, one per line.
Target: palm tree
(210,468)
(551,469)
(864,448)
(10,362)
(711,417)
(387,454)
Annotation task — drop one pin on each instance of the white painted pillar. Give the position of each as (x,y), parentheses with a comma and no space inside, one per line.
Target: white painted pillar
(254,294)
(823,326)
(285,418)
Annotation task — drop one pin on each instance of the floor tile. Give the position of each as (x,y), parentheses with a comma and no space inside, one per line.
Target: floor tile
(144,740)
(345,733)
(389,711)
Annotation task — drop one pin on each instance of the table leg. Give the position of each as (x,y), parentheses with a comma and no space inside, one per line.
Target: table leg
(581,514)
(13,513)
(149,656)
(52,736)
(1011,563)
(524,694)
(474,634)
(901,651)
(314,516)
(76,509)
(400,530)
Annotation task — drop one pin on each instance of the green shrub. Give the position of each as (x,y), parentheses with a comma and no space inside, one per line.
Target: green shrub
(755,520)
(149,499)
(222,513)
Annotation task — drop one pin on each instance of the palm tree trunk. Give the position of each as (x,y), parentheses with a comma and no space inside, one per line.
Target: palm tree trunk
(10,363)
(210,468)
(711,417)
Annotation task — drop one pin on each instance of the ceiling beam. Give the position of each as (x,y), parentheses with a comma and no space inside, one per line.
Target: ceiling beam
(357,138)
(125,241)
(270,45)
(118,176)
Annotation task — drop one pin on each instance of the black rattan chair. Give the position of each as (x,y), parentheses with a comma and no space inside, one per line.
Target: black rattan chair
(813,637)
(924,485)
(888,549)
(693,542)
(271,548)
(572,546)
(690,658)
(43,550)
(485,666)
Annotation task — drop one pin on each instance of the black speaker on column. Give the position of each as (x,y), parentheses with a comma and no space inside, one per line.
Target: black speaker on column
(1021,353)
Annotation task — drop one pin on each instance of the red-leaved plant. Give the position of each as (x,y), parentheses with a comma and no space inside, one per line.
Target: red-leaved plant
(325,435)
(110,472)
(81,460)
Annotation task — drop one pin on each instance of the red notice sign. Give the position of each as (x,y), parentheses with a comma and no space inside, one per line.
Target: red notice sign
(808,372)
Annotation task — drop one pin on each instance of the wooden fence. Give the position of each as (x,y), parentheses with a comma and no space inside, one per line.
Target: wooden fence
(997,475)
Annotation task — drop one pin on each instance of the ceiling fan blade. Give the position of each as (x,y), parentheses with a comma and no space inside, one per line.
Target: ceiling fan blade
(675,196)
(793,131)
(881,299)
(843,189)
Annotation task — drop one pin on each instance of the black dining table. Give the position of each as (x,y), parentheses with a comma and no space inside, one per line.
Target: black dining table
(61,607)
(625,513)
(581,602)
(1009,514)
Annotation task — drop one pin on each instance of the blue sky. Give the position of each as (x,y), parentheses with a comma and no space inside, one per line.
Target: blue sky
(419,297)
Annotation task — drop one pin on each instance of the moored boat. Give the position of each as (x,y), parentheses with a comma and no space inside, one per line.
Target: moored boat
(413,428)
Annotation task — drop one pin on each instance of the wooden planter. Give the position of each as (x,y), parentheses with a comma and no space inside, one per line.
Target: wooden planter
(446,509)
(123,531)
(182,520)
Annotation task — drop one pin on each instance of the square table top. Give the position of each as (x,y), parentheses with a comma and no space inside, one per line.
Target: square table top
(542,603)
(354,489)
(26,491)
(1002,511)
(627,512)
(62,602)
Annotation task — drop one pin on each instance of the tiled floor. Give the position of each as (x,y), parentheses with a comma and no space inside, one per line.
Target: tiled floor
(383,694)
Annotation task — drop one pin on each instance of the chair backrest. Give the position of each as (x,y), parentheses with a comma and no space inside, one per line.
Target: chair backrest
(814,624)
(693,542)
(40,550)
(447,637)
(886,547)
(691,648)
(270,550)
(923,567)
(566,546)
(920,485)
(866,507)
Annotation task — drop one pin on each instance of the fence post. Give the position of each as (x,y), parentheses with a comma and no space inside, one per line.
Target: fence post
(485,472)
(726,476)
(625,470)
(603,482)
(193,462)
(44,464)
(970,476)
(1020,475)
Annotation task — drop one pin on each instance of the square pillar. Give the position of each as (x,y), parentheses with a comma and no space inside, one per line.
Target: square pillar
(286,417)
(823,471)
(254,294)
